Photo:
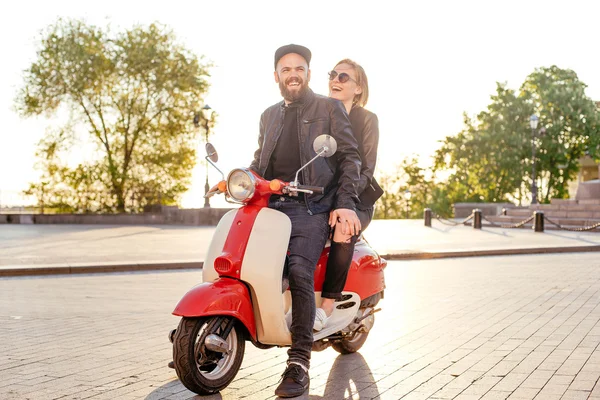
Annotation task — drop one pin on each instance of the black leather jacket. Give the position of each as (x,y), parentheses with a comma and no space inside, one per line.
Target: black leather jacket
(365,127)
(338,174)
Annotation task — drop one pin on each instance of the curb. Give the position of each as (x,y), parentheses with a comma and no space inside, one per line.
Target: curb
(98,268)
(16,271)
(495,252)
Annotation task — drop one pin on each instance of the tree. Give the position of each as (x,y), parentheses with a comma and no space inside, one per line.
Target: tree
(133,94)
(490,160)
(570,121)
(408,176)
(389,205)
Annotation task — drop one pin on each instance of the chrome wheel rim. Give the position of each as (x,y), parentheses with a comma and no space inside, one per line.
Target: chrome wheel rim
(223,366)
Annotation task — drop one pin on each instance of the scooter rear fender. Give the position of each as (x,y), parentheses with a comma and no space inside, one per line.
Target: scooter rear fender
(224,296)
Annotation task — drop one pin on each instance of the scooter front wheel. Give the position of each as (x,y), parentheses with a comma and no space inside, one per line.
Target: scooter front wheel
(200,369)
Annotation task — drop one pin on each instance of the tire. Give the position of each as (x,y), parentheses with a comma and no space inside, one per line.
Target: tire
(348,346)
(199,369)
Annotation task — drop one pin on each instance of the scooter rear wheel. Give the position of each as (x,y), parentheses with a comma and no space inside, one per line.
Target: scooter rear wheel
(201,370)
(352,345)
(347,346)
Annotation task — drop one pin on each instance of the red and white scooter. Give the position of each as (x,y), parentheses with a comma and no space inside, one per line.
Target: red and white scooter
(241,295)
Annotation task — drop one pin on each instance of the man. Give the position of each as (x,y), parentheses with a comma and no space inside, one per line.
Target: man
(287,132)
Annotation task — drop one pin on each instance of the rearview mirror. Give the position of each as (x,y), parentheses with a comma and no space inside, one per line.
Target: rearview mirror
(325,145)
(211,152)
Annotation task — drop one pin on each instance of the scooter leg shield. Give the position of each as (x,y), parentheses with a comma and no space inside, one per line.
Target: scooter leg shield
(223,297)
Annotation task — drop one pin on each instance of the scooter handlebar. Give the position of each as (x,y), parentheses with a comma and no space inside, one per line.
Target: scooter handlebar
(314,189)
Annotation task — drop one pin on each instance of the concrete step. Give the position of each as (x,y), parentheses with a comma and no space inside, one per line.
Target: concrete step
(589,201)
(519,212)
(566,207)
(563,201)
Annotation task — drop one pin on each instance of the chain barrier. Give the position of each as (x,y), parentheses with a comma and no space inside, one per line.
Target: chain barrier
(538,225)
(509,226)
(446,221)
(585,228)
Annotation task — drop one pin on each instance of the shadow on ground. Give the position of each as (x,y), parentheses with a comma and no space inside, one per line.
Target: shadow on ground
(349,374)
(175,389)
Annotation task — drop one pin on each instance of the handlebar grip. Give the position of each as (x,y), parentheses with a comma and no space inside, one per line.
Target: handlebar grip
(314,189)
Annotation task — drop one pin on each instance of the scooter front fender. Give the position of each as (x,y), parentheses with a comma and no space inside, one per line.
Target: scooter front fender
(225,296)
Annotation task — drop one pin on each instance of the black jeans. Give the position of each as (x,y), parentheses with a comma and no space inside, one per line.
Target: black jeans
(340,258)
(309,234)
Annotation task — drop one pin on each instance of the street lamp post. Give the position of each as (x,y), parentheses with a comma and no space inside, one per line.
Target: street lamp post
(407,196)
(533,123)
(207,114)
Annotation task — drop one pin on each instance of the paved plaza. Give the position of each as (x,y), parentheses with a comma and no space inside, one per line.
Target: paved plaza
(516,327)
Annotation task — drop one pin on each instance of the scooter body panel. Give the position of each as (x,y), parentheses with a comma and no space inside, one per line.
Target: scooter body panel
(225,296)
(343,314)
(209,274)
(365,277)
(262,270)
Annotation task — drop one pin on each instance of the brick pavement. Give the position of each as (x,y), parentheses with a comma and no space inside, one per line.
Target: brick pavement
(519,327)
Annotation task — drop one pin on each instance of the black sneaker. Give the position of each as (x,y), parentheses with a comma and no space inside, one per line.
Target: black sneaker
(295,381)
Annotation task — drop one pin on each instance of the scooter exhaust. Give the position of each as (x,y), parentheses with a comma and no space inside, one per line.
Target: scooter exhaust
(367,315)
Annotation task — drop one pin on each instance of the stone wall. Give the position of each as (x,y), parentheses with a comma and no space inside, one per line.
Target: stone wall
(168,216)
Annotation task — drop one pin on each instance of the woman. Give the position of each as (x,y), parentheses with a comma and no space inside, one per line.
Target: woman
(348,83)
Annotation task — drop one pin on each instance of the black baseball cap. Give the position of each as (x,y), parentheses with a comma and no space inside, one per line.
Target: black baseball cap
(292,48)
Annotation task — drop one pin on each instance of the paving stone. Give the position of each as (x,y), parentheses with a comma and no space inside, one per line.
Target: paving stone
(524,393)
(576,395)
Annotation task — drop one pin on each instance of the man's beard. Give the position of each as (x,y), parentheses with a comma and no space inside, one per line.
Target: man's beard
(295,95)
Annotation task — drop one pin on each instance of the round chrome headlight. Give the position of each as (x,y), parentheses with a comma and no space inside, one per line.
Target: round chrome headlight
(240,184)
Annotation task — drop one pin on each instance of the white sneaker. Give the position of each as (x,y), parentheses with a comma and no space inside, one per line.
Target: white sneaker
(320,319)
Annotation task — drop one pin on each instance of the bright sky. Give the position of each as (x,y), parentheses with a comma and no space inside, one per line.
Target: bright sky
(427,62)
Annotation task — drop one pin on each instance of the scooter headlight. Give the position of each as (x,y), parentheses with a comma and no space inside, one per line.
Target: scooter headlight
(240,184)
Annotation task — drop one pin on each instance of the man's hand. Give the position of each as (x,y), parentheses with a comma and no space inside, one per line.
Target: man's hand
(347,219)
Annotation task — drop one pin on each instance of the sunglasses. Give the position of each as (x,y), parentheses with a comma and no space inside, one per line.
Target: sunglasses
(342,77)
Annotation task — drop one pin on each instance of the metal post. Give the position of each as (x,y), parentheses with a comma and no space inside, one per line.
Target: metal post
(42,201)
(206,187)
(477,218)
(538,221)
(533,180)
(427,216)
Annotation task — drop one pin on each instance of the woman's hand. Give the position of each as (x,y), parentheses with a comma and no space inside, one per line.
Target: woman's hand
(347,219)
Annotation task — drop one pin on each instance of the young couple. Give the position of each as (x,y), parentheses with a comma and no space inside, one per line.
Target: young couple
(287,131)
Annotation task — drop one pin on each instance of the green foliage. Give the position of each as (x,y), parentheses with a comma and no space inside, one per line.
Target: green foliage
(133,94)
(490,160)
(408,177)
(570,120)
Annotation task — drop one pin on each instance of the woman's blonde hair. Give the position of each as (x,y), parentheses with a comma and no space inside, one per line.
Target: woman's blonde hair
(361,80)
